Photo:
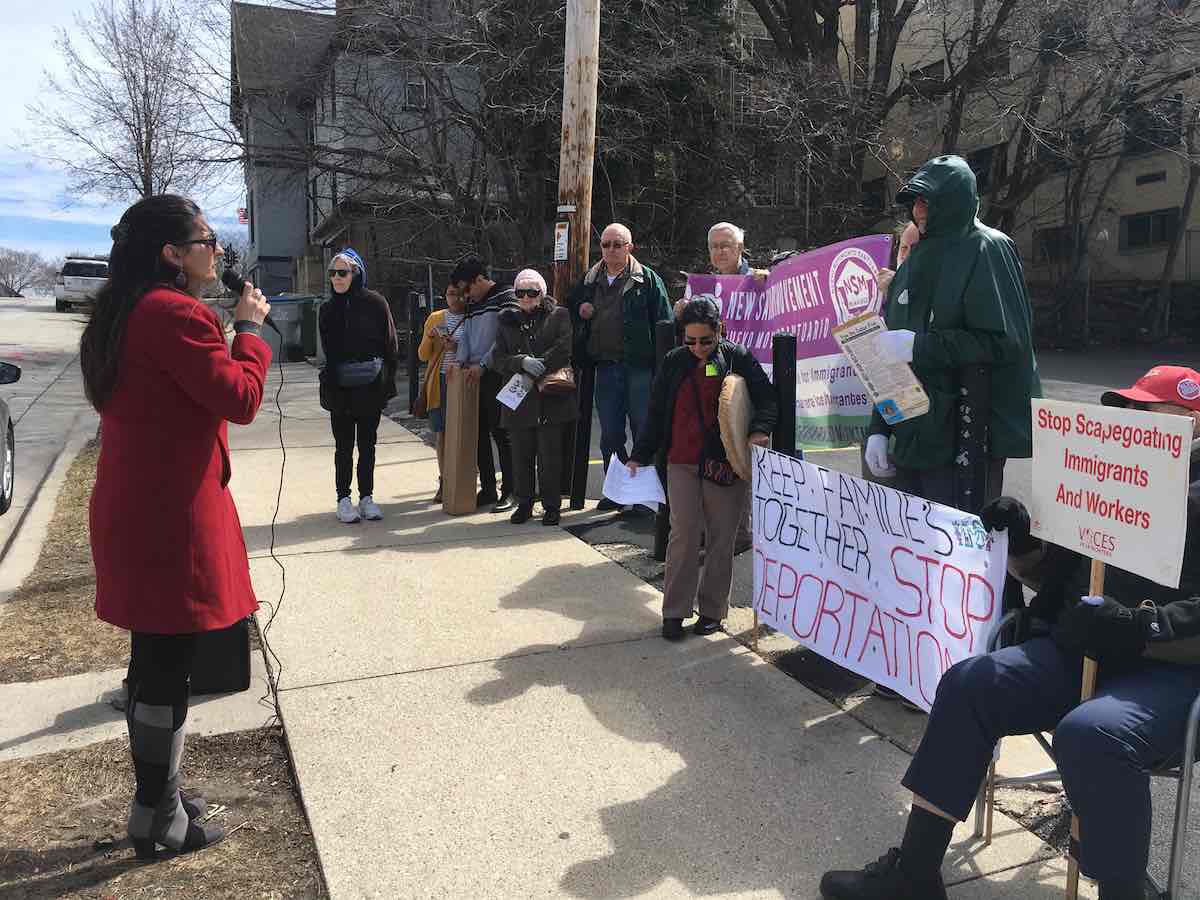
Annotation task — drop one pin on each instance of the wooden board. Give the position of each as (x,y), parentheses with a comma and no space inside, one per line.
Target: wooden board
(459,472)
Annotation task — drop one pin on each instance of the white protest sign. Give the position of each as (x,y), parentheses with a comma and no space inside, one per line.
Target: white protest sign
(1111,483)
(888,585)
(514,393)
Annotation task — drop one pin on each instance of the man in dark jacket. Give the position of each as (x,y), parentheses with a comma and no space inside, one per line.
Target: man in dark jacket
(614,309)
(959,300)
(477,337)
(1146,639)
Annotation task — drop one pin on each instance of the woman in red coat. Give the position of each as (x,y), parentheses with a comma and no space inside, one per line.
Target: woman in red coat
(166,540)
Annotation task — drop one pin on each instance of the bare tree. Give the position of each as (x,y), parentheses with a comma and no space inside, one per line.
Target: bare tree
(128,117)
(21,270)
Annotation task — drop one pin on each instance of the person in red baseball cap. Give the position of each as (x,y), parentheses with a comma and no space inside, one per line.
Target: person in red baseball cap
(1146,638)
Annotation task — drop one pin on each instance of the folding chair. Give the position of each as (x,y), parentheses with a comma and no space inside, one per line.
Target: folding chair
(1181,771)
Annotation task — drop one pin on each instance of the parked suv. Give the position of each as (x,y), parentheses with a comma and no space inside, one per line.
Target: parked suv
(77,283)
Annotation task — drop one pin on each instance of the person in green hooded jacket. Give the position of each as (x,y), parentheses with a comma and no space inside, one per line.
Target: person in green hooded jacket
(958,300)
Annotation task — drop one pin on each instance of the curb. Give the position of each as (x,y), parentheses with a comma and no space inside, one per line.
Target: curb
(19,556)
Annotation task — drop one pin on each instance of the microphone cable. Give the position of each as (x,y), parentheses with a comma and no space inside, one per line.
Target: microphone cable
(235,283)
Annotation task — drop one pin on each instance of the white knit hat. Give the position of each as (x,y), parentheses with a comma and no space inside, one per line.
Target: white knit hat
(531,275)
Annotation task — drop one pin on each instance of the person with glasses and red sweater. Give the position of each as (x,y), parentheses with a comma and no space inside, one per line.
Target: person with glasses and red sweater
(704,493)
(615,309)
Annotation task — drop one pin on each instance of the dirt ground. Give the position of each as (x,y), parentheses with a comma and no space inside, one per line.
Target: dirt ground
(48,628)
(62,826)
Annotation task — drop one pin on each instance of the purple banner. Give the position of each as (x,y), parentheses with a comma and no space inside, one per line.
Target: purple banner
(808,295)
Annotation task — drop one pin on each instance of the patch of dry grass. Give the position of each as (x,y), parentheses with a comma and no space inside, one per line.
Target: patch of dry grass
(62,825)
(48,627)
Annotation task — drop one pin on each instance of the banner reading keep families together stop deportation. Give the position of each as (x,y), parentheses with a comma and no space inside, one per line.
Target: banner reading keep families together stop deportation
(808,295)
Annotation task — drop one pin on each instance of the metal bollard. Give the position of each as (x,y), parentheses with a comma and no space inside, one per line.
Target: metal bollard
(783,375)
(585,377)
(416,329)
(665,338)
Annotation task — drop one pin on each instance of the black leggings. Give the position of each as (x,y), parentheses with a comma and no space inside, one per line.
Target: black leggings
(345,428)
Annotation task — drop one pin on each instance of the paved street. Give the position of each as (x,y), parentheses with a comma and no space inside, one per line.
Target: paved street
(48,405)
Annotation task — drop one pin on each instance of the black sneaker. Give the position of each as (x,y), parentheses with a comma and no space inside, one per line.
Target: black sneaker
(606,505)
(484,498)
(522,514)
(673,629)
(888,694)
(551,517)
(503,504)
(880,880)
(705,625)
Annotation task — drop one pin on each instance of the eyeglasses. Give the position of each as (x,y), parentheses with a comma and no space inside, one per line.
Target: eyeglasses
(528,292)
(613,245)
(703,342)
(210,242)
(340,273)
(723,245)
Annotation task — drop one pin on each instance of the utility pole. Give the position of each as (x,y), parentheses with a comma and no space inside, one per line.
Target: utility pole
(578,147)
(572,235)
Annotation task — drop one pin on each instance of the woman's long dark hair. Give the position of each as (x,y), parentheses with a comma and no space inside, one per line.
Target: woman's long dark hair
(135,266)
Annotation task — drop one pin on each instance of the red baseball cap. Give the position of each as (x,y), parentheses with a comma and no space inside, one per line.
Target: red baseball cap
(1162,384)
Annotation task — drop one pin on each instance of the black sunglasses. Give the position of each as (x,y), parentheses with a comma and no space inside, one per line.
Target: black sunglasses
(341,273)
(210,242)
(528,292)
(703,342)
(613,245)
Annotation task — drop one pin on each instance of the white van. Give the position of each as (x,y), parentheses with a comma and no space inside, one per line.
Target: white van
(77,283)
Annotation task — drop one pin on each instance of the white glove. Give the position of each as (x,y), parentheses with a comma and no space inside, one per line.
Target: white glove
(877,455)
(899,344)
(533,366)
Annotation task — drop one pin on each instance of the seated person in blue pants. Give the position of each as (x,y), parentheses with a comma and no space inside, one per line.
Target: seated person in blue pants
(1146,638)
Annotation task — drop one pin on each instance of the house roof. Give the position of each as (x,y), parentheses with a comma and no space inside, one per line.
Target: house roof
(275,48)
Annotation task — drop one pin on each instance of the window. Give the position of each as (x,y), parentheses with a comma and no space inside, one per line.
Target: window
(927,79)
(874,196)
(1063,32)
(1054,244)
(1059,150)
(990,165)
(1150,178)
(1152,229)
(415,95)
(1153,126)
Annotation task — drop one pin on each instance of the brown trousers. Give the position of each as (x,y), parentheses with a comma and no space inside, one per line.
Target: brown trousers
(699,507)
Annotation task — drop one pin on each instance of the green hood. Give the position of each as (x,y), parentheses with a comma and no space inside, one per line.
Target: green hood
(948,186)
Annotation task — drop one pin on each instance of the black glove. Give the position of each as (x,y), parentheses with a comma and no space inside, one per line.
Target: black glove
(1008,514)
(1105,631)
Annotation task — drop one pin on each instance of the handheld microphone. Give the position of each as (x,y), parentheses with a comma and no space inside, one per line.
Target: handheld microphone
(237,284)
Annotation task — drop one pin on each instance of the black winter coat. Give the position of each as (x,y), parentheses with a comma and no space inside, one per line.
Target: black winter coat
(547,335)
(655,440)
(357,326)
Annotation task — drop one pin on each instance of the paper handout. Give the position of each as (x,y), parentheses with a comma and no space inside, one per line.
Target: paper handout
(891,384)
(514,393)
(622,486)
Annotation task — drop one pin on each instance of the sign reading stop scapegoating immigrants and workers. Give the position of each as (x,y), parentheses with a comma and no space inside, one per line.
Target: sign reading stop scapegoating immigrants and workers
(1111,483)
(808,295)
(883,583)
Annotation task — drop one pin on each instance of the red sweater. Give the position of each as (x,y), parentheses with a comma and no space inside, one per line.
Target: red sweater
(687,437)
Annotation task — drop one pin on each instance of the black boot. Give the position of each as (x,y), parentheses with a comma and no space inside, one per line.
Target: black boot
(883,879)
(672,629)
(551,517)
(522,514)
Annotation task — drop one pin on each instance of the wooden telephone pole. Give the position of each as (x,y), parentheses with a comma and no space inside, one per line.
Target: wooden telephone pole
(578,146)
(572,235)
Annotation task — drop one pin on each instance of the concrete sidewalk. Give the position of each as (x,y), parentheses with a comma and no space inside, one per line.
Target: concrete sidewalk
(477,709)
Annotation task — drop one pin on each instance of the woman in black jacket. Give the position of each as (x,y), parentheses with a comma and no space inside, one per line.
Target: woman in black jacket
(359,377)
(682,427)
(534,339)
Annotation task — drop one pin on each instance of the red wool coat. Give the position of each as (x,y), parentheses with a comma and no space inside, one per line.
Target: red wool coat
(166,540)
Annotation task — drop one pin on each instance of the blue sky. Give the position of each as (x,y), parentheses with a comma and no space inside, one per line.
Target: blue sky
(36,212)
